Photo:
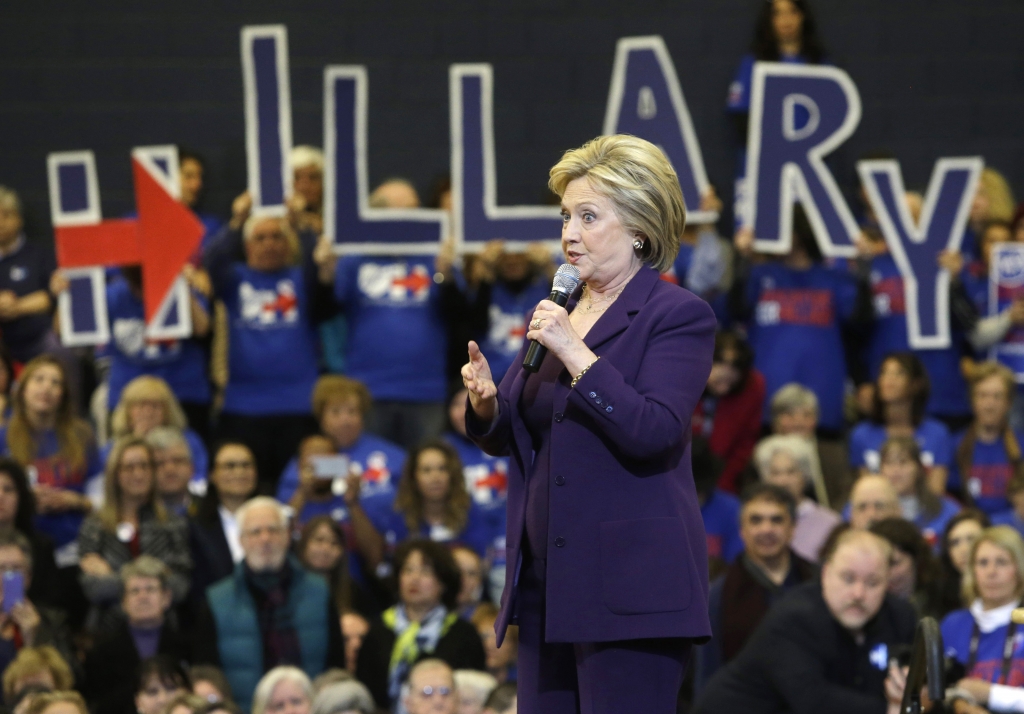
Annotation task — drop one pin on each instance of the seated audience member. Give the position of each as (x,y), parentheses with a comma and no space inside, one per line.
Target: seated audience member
(25,270)
(272,298)
(66,702)
(322,550)
(989,450)
(913,574)
(29,624)
(872,499)
(329,677)
(315,495)
(186,703)
(719,509)
(142,633)
(502,700)
(210,684)
(955,553)
(283,689)
(40,665)
(354,628)
(213,531)
(347,697)
(397,336)
(424,623)
(431,689)
(44,434)
(6,384)
(131,522)
(501,661)
(822,648)
(902,465)
(432,502)
(147,403)
(728,414)
(175,471)
(471,593)
(795,413)
(1014,515)
(487,484)
(340,406)
(222,707)
(766,570)
(180,365)
(17,514)
(159,679)
(901,394)
(786,461)
(980,637)
(271,611)
(473,688)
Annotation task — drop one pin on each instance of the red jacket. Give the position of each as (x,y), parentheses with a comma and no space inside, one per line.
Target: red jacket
(735,428)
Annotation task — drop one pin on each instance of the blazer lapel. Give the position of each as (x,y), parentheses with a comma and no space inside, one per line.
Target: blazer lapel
(620,313)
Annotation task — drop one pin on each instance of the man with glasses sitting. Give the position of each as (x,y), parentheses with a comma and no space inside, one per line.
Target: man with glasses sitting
(270,611)
(431,688)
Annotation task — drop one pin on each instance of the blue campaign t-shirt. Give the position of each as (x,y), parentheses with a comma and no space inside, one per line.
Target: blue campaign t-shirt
(50,469)
(889,334)
(180,363)
(486,475)
(378,460)
(397,340)
(795,331)
(932,438)
(478,534)
(23,271)
(990,474)
(1010,518)
(957,628)
(507,316)
(721,514)
(272,342)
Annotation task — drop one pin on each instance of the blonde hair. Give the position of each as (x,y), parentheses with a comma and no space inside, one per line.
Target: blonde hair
(42,702)
(639,180)
(109,513)
(146,388)
(34,660)
(265,687)
(1009,540)
(306,155)
(1001,205)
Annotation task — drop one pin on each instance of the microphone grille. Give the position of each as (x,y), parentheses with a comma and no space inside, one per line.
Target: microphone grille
(567,277)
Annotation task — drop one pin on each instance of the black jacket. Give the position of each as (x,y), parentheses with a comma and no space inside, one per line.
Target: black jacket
(801,660)
(111,665)
(460,647)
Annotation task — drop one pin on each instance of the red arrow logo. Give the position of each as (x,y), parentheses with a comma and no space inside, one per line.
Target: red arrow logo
(161,240)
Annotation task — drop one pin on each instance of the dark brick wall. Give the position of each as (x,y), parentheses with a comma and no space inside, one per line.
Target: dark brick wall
(938,77)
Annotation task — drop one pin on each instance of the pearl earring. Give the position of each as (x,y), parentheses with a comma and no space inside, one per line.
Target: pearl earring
(638,244)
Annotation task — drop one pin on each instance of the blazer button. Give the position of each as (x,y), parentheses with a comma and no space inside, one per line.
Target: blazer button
(598,400)
(559,416)
(559,480)
(593,395)
(609,409)
(559,542)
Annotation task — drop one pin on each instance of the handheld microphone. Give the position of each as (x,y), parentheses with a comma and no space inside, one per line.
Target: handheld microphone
(567,277)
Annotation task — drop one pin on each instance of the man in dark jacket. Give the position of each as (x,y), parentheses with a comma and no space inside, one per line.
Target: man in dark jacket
(767,570)
(827,646)
(270,611)
(144,632)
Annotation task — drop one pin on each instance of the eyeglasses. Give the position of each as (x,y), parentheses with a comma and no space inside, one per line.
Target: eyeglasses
(428,691)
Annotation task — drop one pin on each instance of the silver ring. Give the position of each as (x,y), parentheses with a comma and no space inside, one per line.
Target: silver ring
(535,324)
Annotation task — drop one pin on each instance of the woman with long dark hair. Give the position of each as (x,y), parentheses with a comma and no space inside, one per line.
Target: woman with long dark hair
(322,549)
(17,512)
(955,553)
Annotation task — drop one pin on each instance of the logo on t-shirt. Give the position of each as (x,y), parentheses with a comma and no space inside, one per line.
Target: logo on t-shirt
(487,483)
(879,656)
(809,307)
(18,273)
(130,339)
(395,282)
(887,295)
(376,476)
(268,308)
(507,329)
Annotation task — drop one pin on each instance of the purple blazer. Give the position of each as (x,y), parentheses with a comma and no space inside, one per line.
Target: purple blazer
(627,557)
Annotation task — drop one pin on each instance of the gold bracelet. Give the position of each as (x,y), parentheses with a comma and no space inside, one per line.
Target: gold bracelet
(575,379)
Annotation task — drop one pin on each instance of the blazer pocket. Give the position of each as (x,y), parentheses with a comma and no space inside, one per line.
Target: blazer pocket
(646,566)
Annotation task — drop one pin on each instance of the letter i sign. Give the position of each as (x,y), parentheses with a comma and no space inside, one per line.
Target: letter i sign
(161,240)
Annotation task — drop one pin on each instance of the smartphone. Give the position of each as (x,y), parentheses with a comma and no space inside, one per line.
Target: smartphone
(330,467)
(14,589)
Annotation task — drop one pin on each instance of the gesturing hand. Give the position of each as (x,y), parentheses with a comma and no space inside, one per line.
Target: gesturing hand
(476,375)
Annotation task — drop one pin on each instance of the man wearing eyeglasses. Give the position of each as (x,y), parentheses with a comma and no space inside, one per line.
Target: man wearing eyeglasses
(431,689)
(270,611)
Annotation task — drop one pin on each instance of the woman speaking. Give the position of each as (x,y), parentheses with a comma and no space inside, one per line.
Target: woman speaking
(607,564)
